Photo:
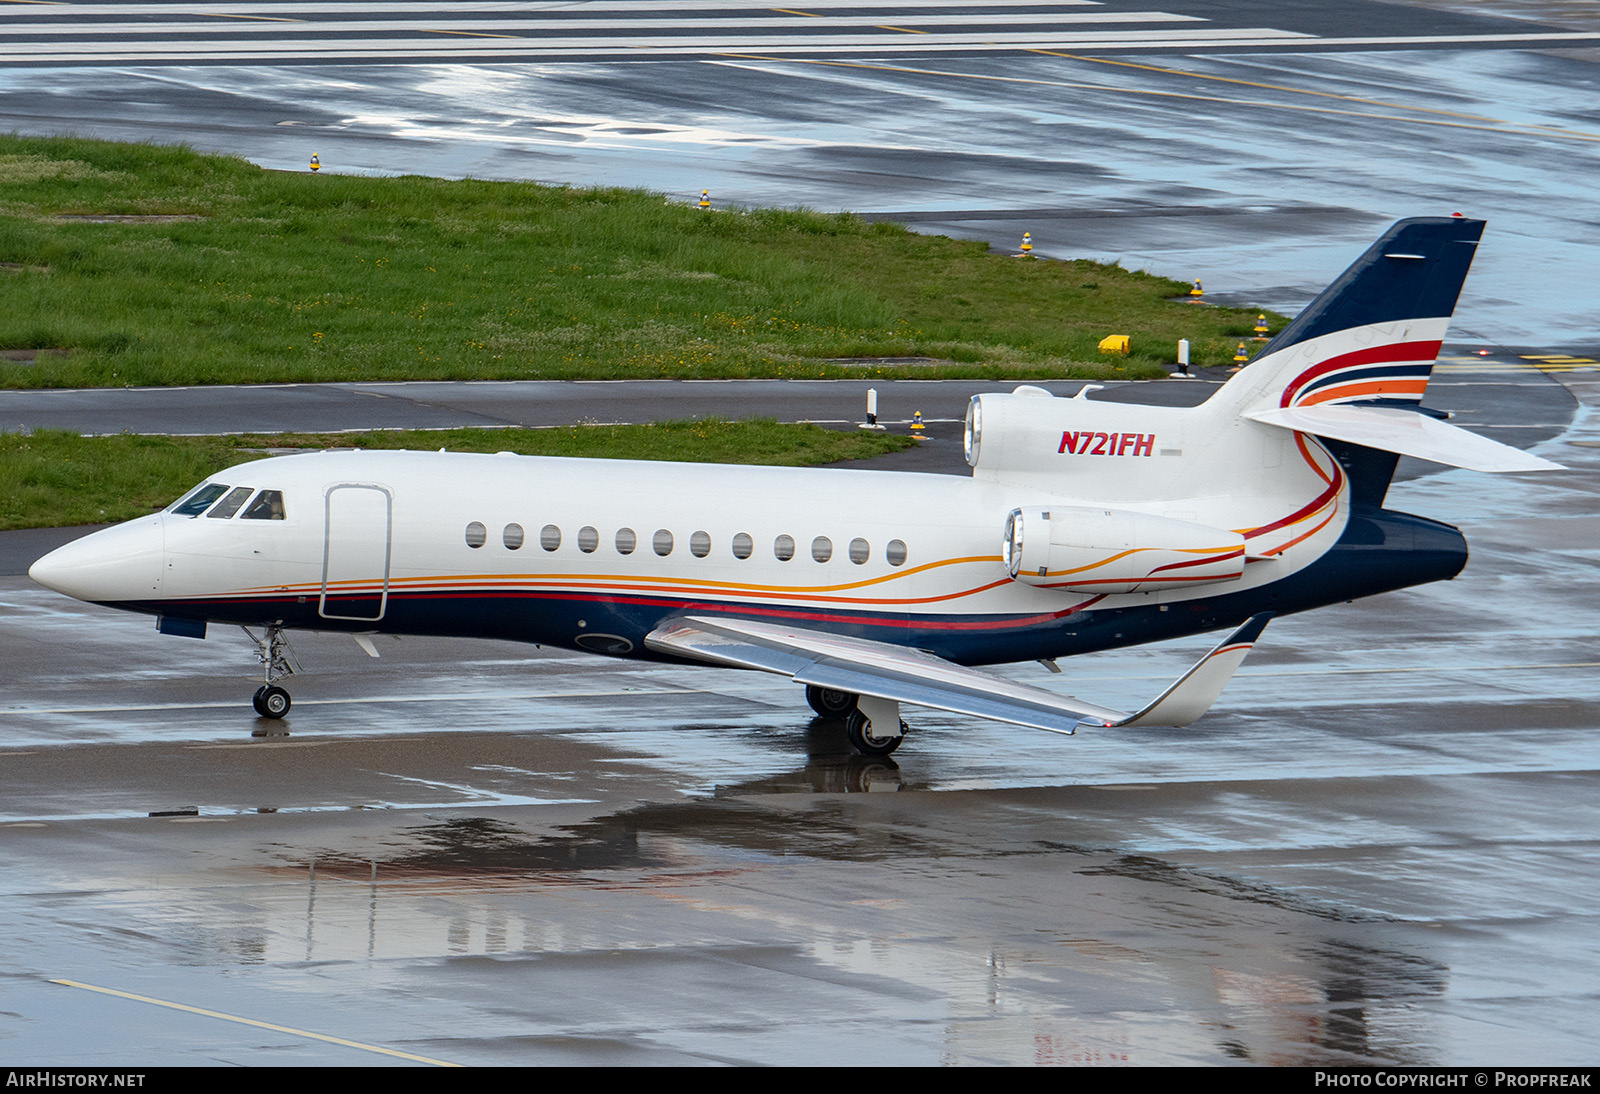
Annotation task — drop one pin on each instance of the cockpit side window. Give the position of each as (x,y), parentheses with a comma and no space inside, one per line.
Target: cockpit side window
(267,506)
(199,500)
(230,504)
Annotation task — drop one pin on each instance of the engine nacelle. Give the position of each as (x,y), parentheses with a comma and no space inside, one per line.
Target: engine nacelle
(1092,550)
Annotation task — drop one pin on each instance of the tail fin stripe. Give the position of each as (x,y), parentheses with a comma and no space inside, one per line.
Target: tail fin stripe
(1395,353)
(1408,371)
(1410,388)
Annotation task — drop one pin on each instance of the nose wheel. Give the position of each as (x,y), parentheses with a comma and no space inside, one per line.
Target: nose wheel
(277,661)
(271,701)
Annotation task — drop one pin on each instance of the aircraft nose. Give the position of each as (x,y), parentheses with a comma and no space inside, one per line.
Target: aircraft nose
(116,564)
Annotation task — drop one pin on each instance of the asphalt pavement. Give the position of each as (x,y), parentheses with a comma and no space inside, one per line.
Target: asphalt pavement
(1381,847)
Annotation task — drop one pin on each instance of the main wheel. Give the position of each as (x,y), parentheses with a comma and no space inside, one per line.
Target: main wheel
(859,731)
(830,703)
(271,701)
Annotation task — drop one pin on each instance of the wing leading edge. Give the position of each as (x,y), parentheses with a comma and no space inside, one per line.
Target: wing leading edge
(884,671)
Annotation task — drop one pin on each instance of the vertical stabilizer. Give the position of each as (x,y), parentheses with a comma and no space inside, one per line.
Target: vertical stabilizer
(1372,336)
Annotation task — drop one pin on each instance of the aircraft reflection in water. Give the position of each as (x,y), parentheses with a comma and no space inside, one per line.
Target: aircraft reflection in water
(1085,525)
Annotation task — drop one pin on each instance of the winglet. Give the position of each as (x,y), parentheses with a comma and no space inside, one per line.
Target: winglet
(1194,693)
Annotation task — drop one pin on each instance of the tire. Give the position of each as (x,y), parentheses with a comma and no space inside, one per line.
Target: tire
(271,701)
(830,703)
(862,739)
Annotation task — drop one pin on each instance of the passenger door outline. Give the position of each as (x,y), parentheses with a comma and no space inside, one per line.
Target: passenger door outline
(355,554)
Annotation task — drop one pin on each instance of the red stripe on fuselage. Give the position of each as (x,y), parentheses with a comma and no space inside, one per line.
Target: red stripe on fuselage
(219,605)
(1334,481)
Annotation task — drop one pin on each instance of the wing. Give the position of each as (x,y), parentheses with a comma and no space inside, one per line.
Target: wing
(879,669)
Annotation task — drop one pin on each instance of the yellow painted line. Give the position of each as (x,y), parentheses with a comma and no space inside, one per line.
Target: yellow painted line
(902,30)
(469,33)
(791,11)
(1488,125)
(257,18)
(258,1024)
(1269,87)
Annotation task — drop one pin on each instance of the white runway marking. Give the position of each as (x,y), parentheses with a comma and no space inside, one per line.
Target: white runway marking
(643,23)
(98,34)
(440,697)
(432,7)
(191,51)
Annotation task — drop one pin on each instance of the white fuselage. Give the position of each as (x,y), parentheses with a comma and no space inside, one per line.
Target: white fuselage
(595,553)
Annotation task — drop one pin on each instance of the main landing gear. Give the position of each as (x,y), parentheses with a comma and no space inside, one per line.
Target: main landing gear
(830,703)
(277,661)
(866,718)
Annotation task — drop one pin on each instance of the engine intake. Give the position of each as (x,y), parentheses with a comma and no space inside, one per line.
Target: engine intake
(1094,550)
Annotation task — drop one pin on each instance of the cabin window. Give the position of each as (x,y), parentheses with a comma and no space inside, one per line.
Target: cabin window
(512,537)
(700,544)
(662,542)
(588,539)
(230,504)
(550,537)
(783,547)
(895,552)
(199,500)
(743,545)
(477,535)
(860,550)
(822,549)
(626,541)
(267,506)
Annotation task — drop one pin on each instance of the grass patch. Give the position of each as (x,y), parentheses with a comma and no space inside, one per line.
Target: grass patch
(221,272)
(56,478)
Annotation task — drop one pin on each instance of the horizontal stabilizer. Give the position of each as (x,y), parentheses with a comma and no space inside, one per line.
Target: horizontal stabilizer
(1406,432)
(879,669)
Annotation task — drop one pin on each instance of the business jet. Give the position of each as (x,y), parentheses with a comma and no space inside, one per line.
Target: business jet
(1085,525)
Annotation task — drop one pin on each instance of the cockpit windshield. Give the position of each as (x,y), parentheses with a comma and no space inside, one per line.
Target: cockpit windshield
(267,505)
(230,504)
(198,500)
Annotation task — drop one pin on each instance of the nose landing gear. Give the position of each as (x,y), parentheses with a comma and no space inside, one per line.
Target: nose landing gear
(271,701)
(277,661)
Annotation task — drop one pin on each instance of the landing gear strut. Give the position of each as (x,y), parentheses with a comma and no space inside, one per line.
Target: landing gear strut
(277,661)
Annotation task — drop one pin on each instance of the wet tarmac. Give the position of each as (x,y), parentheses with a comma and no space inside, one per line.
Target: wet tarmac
(1381,847)
(1497,392)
